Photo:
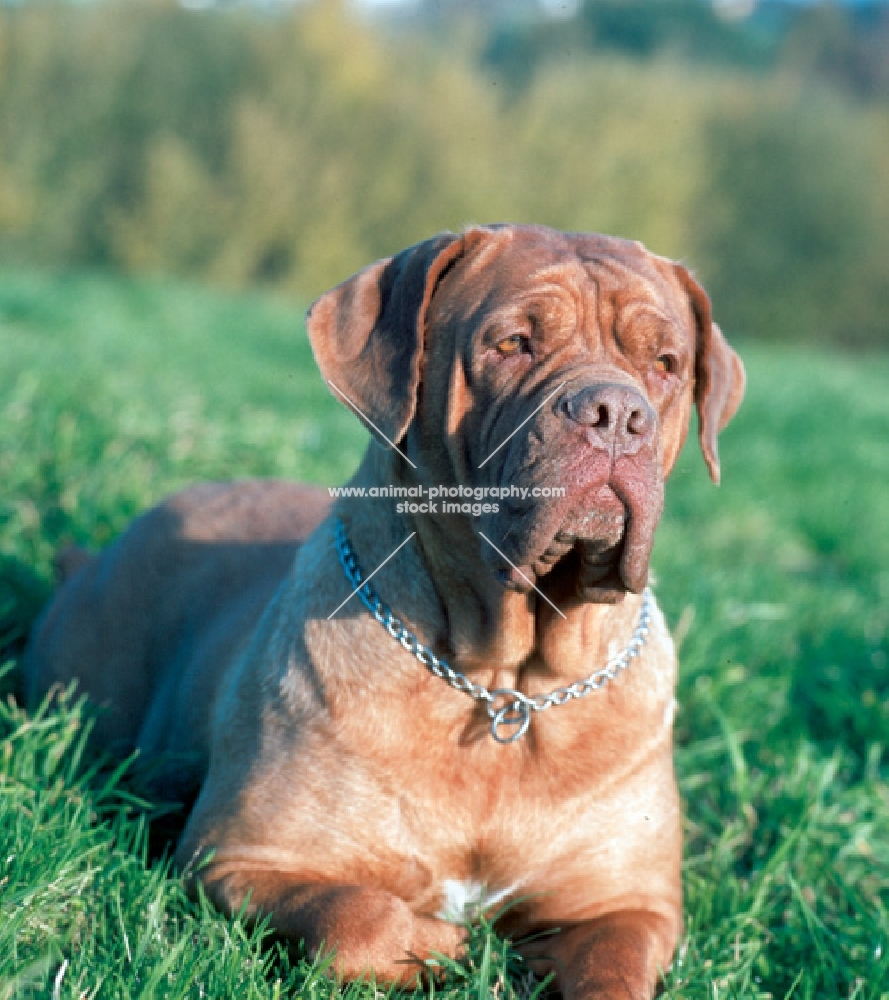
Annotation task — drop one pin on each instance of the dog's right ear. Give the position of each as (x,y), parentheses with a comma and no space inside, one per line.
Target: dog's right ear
(367,333)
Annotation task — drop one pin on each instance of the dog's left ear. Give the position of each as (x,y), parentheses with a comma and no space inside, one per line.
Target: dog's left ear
(719,373)
(367,333)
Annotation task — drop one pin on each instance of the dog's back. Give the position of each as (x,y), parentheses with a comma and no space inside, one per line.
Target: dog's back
(178,594)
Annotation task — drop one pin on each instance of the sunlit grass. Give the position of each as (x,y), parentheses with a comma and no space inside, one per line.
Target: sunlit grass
(113,393)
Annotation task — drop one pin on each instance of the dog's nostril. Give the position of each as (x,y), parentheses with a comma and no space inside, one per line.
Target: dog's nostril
(638,422)
(586,409)
(602,417)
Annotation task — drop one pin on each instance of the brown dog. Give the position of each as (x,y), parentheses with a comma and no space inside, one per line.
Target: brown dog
(347,790)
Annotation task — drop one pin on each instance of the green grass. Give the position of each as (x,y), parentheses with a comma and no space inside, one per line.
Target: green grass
(113,393)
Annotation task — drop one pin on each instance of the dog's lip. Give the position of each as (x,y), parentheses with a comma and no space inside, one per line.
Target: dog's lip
(610,525)
(596,530)
(558,548)
(598,564)
(590,548)
(598,558)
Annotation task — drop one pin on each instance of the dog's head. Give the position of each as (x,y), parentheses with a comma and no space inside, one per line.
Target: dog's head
(566,365)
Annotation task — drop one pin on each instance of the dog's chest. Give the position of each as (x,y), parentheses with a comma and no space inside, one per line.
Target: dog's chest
(477,839)
(463,900)
(441,815)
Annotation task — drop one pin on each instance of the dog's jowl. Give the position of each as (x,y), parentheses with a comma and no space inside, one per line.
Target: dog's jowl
(450,688)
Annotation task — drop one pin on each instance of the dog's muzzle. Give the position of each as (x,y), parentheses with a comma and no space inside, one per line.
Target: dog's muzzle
(604,449)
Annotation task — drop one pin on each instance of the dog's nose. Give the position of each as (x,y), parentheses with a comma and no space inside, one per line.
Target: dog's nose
(617,416)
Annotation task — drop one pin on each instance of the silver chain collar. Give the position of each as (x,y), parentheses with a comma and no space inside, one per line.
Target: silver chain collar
(507,708)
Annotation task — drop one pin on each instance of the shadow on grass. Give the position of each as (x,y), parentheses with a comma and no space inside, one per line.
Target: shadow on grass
(23,594)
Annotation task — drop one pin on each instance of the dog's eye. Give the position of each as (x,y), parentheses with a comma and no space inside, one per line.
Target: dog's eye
(666,363)
(516,344)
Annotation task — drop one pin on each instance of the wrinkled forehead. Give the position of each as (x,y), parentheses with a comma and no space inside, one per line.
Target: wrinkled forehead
(587,275)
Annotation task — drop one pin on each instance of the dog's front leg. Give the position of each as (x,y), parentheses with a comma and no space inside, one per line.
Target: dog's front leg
(618,956)
(371,931)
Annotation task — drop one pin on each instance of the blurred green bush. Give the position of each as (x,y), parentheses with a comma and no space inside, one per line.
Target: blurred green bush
(291,148)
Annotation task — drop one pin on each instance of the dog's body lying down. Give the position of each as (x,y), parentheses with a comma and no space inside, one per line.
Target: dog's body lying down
(347,790)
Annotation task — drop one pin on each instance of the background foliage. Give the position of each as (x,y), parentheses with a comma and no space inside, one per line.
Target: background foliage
(290,148)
